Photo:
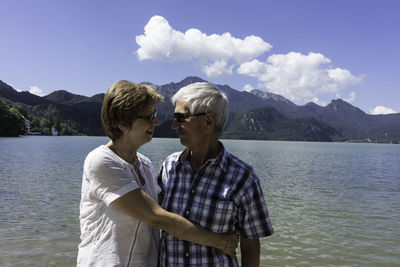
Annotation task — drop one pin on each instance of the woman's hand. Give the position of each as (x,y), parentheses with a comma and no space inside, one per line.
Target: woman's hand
(231,243)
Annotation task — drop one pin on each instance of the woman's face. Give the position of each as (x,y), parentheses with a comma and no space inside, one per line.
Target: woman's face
(141,131)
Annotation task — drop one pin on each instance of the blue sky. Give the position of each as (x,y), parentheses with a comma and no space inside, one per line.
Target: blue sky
(305,50)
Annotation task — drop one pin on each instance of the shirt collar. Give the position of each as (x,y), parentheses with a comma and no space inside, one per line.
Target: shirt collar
(220,159)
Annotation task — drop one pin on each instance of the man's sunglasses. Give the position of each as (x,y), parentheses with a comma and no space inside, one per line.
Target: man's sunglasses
(148,118)
(181,117)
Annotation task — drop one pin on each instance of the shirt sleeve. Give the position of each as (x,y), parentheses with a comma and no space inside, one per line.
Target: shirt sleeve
(160,182)
(110,179)
(254,219)
(153,177)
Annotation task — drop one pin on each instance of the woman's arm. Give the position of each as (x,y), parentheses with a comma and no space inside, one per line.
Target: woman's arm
(142,207)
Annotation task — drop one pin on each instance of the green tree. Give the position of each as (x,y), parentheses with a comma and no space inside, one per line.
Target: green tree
(45,123)
(57,125)
(46,131)
(11,122)
(36,122)
(21,109)
(19,121)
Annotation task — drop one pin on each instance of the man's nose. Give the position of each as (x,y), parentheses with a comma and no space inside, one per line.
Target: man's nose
(175,124)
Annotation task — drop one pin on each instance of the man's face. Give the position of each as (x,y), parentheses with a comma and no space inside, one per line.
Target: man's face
(190,131)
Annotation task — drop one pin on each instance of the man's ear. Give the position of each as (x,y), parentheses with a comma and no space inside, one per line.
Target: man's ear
(210,120)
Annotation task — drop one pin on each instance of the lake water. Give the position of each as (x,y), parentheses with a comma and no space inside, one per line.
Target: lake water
(332,204)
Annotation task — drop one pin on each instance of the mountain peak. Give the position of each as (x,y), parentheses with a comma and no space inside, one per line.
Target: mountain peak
(148,83)
(24,97)
(167,90)
(269,96)
(191,79)
(311,104)
(64,97)
(339,101)
(6,87)
(341,105)
(60,92)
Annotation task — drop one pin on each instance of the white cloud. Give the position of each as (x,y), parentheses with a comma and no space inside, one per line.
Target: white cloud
(248,88)
(300,78)
(351,98)
(218,68)
(36,91)
(382,110)
(214,52)
(317,101)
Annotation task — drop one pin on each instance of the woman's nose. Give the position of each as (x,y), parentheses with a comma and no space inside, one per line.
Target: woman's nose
(155,121)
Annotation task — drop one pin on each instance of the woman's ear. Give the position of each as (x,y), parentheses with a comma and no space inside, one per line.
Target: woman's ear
(122,128)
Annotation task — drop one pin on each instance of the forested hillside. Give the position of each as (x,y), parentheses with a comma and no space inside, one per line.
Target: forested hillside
(253,115)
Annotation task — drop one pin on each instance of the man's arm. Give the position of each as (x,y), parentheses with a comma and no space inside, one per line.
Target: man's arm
(142,207)
(250,252)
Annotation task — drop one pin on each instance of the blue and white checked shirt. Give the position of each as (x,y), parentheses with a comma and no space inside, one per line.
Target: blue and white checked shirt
(224,195)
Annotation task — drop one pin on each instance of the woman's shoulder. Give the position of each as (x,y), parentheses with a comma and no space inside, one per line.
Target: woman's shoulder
(100,156)
(145,160)
(98,152)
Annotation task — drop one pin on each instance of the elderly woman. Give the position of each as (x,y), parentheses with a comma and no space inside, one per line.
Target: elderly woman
(119,215)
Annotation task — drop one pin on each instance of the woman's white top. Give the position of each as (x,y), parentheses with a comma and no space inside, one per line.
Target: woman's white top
(108,236)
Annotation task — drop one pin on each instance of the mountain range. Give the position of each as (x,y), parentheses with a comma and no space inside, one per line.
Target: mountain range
(253,115)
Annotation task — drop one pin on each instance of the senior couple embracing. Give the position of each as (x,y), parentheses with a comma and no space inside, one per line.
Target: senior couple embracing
(204,200)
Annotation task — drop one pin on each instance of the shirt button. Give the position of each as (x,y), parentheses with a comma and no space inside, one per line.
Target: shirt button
(193,191)
(187,212)
(187,254)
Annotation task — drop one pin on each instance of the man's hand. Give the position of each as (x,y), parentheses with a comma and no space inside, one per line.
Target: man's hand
(250,252)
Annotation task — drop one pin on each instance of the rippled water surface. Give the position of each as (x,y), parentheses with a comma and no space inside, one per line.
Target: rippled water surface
(330,203)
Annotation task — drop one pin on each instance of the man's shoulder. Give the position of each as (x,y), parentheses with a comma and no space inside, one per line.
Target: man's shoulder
(235,162)
(174,157)
(241,176)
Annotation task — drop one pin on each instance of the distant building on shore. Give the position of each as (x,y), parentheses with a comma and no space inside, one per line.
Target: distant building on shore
(54,132)
(27,124)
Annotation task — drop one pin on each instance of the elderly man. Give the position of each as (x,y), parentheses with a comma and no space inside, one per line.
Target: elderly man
(209,186)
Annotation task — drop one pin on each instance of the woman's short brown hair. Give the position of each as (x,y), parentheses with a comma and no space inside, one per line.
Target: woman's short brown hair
(122,102)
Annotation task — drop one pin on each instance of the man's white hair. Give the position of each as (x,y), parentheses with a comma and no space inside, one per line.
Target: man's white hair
(204,97)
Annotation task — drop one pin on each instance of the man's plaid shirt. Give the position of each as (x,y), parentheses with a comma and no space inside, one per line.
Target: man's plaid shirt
(224,195)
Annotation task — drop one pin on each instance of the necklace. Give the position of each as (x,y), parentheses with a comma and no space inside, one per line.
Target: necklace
(135,161)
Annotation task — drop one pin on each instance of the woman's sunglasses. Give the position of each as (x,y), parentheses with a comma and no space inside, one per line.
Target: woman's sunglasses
(148,118)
